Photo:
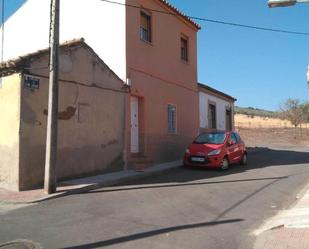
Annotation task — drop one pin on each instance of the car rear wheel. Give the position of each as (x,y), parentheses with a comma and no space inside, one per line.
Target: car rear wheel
(225,163)
(244,159)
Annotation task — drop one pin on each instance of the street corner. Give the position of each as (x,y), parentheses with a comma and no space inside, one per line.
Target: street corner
(283,238)
(288,229)
(296,217)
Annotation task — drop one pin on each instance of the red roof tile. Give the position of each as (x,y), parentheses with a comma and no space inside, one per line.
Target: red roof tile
(181,14)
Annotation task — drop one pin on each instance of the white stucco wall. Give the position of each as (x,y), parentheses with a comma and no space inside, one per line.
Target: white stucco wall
(101,24)
(221,106)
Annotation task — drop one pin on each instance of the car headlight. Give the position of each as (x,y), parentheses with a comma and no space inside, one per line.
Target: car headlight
(214,152)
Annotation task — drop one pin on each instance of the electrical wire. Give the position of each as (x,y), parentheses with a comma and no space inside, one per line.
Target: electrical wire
(239,25)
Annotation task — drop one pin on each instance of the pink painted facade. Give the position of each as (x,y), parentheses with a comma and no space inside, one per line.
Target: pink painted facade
(163,114)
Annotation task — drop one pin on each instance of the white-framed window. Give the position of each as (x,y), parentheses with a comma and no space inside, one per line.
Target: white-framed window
(145,27)
(172,119)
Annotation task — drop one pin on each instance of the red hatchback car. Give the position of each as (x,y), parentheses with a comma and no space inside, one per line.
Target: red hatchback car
(216,150)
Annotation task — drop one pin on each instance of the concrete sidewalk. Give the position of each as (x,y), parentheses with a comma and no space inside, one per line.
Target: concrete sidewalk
(289,229)
(83,184)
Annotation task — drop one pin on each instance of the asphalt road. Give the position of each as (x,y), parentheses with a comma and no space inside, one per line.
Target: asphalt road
(182,209)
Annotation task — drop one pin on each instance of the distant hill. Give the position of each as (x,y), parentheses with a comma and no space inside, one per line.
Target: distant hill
(250,111)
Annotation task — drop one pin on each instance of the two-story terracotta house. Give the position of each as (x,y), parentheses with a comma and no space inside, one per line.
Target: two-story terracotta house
(161,60)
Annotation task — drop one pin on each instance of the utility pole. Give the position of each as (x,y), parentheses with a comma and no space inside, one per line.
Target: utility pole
(50,181)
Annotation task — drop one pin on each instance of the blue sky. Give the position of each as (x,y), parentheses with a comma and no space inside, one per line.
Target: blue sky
(11,6)
(261,69)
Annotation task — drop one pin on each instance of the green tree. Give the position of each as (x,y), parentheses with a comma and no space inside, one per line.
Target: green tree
(305,112)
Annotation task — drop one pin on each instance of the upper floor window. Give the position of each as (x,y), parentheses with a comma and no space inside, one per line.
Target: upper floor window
(184,48)
(145,28)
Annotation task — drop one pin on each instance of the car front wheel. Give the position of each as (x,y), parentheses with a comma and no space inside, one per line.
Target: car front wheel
(225,163)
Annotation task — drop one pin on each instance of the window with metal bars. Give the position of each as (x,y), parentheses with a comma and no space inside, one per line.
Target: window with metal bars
(171,119)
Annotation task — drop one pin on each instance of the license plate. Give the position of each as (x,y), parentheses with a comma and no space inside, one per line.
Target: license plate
(198,159)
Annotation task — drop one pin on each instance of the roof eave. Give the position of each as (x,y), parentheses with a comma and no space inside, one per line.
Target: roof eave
(216,91)
(181,15)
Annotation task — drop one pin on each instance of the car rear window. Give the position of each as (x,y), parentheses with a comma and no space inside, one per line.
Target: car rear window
(210,138)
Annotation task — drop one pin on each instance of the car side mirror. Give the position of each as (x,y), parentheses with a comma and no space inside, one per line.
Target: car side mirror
(230,142)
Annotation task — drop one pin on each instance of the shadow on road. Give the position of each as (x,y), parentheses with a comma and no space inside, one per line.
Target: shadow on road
(127,187)
(258,158)
(150,234)
(264,157)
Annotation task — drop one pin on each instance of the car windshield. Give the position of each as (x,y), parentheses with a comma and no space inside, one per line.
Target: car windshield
(210,138)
